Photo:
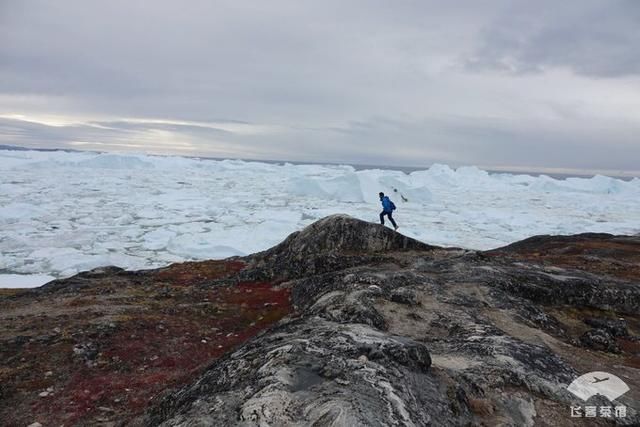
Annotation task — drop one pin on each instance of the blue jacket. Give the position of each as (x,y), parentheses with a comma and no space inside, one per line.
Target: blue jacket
(386,204)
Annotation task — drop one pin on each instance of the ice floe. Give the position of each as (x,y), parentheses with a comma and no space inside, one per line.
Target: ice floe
(61,213)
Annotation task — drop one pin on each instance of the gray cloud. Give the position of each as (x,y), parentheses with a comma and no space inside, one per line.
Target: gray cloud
(591,37)
(361,81)
(454,140)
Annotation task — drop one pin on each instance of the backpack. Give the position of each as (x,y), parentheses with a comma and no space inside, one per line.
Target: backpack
(393,206)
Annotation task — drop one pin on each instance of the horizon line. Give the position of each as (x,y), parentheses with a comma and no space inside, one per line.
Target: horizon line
(511,169)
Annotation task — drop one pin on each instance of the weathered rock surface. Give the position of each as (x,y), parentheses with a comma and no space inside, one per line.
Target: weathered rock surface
(332,243)
(393,332)
(381,330)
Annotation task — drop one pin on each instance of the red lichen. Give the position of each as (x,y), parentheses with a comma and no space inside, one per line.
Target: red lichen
(619,258)
(169,334)
(192,273)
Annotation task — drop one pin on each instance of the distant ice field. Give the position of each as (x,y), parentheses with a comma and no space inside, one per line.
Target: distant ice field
(61,213)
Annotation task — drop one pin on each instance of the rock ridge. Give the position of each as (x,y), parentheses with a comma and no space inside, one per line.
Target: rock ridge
(344,323)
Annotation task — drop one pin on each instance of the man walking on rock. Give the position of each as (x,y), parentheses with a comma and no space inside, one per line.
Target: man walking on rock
(387,209)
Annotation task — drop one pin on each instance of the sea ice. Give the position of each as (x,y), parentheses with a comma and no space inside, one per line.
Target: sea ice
(24,280)
(61,213)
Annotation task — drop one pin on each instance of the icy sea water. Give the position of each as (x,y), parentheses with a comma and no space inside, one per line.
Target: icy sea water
(61,212)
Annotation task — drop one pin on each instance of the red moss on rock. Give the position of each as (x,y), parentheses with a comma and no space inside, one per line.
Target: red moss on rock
(193,273)
(166,335)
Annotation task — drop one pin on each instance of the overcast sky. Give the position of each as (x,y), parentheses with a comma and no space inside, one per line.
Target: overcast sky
(514,84)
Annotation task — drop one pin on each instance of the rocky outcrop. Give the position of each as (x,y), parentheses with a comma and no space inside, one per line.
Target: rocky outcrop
(377,329)
(390,331)
(332,243)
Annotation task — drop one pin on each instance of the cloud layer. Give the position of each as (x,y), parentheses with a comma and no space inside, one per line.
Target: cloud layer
(494,83)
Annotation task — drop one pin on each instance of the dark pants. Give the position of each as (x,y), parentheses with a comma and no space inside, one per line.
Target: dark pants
(389,215)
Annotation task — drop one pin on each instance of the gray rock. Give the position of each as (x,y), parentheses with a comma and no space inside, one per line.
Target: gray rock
(600,339)
(404,296)
(332,243)
(86,352)
(616,327)
(389,331)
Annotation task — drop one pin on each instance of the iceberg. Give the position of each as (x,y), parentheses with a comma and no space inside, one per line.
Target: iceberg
(65,212)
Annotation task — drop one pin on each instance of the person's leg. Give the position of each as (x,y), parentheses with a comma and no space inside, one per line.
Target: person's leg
(389,215)
(382,218)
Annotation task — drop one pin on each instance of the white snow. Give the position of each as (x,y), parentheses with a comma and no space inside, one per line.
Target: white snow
(61,213)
